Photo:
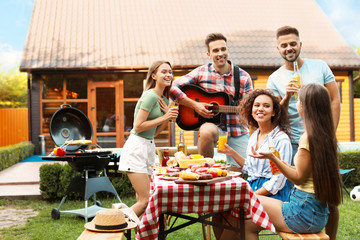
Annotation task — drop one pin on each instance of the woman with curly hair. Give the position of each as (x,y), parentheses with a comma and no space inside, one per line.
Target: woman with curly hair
(262,111)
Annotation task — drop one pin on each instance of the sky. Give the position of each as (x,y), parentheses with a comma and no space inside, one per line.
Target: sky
(15,18)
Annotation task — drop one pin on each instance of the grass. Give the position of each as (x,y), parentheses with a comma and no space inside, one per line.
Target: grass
(70,226)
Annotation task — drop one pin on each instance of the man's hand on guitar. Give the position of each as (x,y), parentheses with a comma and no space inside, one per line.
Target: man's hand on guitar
(202,109)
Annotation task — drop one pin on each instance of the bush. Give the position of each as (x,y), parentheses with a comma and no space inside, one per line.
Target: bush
(351,159)
(13,154)
(55,179)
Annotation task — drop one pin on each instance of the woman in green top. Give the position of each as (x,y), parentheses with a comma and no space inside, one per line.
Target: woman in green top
(151,116)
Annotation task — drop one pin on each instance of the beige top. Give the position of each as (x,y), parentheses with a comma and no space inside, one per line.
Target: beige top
(308,185)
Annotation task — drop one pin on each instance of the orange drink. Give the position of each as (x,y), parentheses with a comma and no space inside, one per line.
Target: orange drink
(274,168)
(176,108)
(297,77)
(222,141)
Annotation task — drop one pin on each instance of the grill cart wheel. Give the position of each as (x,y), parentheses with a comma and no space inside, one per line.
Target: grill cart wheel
(55,214)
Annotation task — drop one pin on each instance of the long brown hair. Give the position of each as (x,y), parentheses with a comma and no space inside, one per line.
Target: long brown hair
(279,119)
(319,126)
(150,82)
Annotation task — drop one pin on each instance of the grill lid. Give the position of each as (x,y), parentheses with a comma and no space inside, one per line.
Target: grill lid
(69,123)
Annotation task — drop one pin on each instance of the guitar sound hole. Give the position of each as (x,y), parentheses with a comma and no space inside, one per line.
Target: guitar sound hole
(214,108)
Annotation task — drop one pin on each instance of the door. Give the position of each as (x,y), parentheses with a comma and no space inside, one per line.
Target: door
(105,114)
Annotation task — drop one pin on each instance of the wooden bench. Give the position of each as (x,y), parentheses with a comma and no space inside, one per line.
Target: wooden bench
(311,236)
(90,235)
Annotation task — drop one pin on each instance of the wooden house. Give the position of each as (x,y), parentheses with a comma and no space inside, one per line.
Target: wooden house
(94,54)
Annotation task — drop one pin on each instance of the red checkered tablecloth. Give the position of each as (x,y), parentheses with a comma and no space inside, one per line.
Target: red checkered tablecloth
(167,196)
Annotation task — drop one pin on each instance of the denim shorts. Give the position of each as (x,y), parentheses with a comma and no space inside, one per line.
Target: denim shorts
(304,213)
(282,194)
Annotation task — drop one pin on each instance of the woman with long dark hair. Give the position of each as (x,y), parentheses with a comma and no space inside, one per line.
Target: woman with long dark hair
(315,175)
(151,116)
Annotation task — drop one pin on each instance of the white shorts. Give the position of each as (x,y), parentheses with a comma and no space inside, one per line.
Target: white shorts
(137,155)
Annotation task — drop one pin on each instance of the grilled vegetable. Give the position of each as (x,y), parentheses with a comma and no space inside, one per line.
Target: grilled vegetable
(188,175)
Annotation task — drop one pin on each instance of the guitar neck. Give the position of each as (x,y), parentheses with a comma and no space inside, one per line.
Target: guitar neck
(228,109)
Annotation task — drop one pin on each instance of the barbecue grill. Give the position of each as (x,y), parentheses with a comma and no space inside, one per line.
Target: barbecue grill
(69,123)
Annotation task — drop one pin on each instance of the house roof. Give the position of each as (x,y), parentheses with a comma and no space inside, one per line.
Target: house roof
(121,34)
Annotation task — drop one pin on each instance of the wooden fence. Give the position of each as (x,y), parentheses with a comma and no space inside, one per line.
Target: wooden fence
(14,127)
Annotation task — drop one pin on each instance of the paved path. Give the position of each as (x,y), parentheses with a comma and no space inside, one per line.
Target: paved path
(10,217)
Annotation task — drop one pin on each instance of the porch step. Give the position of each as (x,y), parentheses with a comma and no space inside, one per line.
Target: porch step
(20,191)
(21,180)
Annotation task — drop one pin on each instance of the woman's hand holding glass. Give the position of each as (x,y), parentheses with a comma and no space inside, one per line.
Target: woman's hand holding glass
(175,108)
(262,155)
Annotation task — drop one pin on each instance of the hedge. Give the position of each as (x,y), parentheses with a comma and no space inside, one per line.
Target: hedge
(351,159)
(12,154)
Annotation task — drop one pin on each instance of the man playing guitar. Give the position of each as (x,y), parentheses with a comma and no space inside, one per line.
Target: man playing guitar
(217,76)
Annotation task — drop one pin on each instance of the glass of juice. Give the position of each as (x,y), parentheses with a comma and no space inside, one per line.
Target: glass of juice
(174,106)
(274,168)
(222,140)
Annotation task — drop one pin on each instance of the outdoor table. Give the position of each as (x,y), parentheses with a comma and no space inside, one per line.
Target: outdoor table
(168,197)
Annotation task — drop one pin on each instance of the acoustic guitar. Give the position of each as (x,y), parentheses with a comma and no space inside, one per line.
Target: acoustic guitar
(188,119)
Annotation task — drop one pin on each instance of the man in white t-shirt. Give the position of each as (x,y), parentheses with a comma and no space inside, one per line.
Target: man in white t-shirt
(284,86)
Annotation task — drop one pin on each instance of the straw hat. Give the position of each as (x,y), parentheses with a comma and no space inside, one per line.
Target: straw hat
(110,220)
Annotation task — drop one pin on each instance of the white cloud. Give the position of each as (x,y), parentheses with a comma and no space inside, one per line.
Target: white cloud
(9,57)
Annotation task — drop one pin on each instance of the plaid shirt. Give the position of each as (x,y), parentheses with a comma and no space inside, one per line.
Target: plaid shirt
(212,81)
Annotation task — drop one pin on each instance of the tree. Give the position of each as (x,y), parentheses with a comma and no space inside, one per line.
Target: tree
(13,89)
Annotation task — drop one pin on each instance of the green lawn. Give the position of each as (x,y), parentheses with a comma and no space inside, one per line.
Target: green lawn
(70,226)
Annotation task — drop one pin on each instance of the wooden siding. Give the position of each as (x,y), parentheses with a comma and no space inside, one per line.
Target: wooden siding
(343,130)
(14,127)
(36,114)
(357,119)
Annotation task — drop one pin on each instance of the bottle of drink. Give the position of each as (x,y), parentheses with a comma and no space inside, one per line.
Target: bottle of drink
(165,157)
(274,168)
(298,78)
(182,146)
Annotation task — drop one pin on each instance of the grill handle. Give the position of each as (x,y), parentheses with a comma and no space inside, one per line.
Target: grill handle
(65,105)
(100,157)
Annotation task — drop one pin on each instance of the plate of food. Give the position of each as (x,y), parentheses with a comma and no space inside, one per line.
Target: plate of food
(170,176)
(233,173)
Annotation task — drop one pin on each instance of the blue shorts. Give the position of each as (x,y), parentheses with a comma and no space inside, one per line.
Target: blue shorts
(240,144)
(282,194)
(304,213)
